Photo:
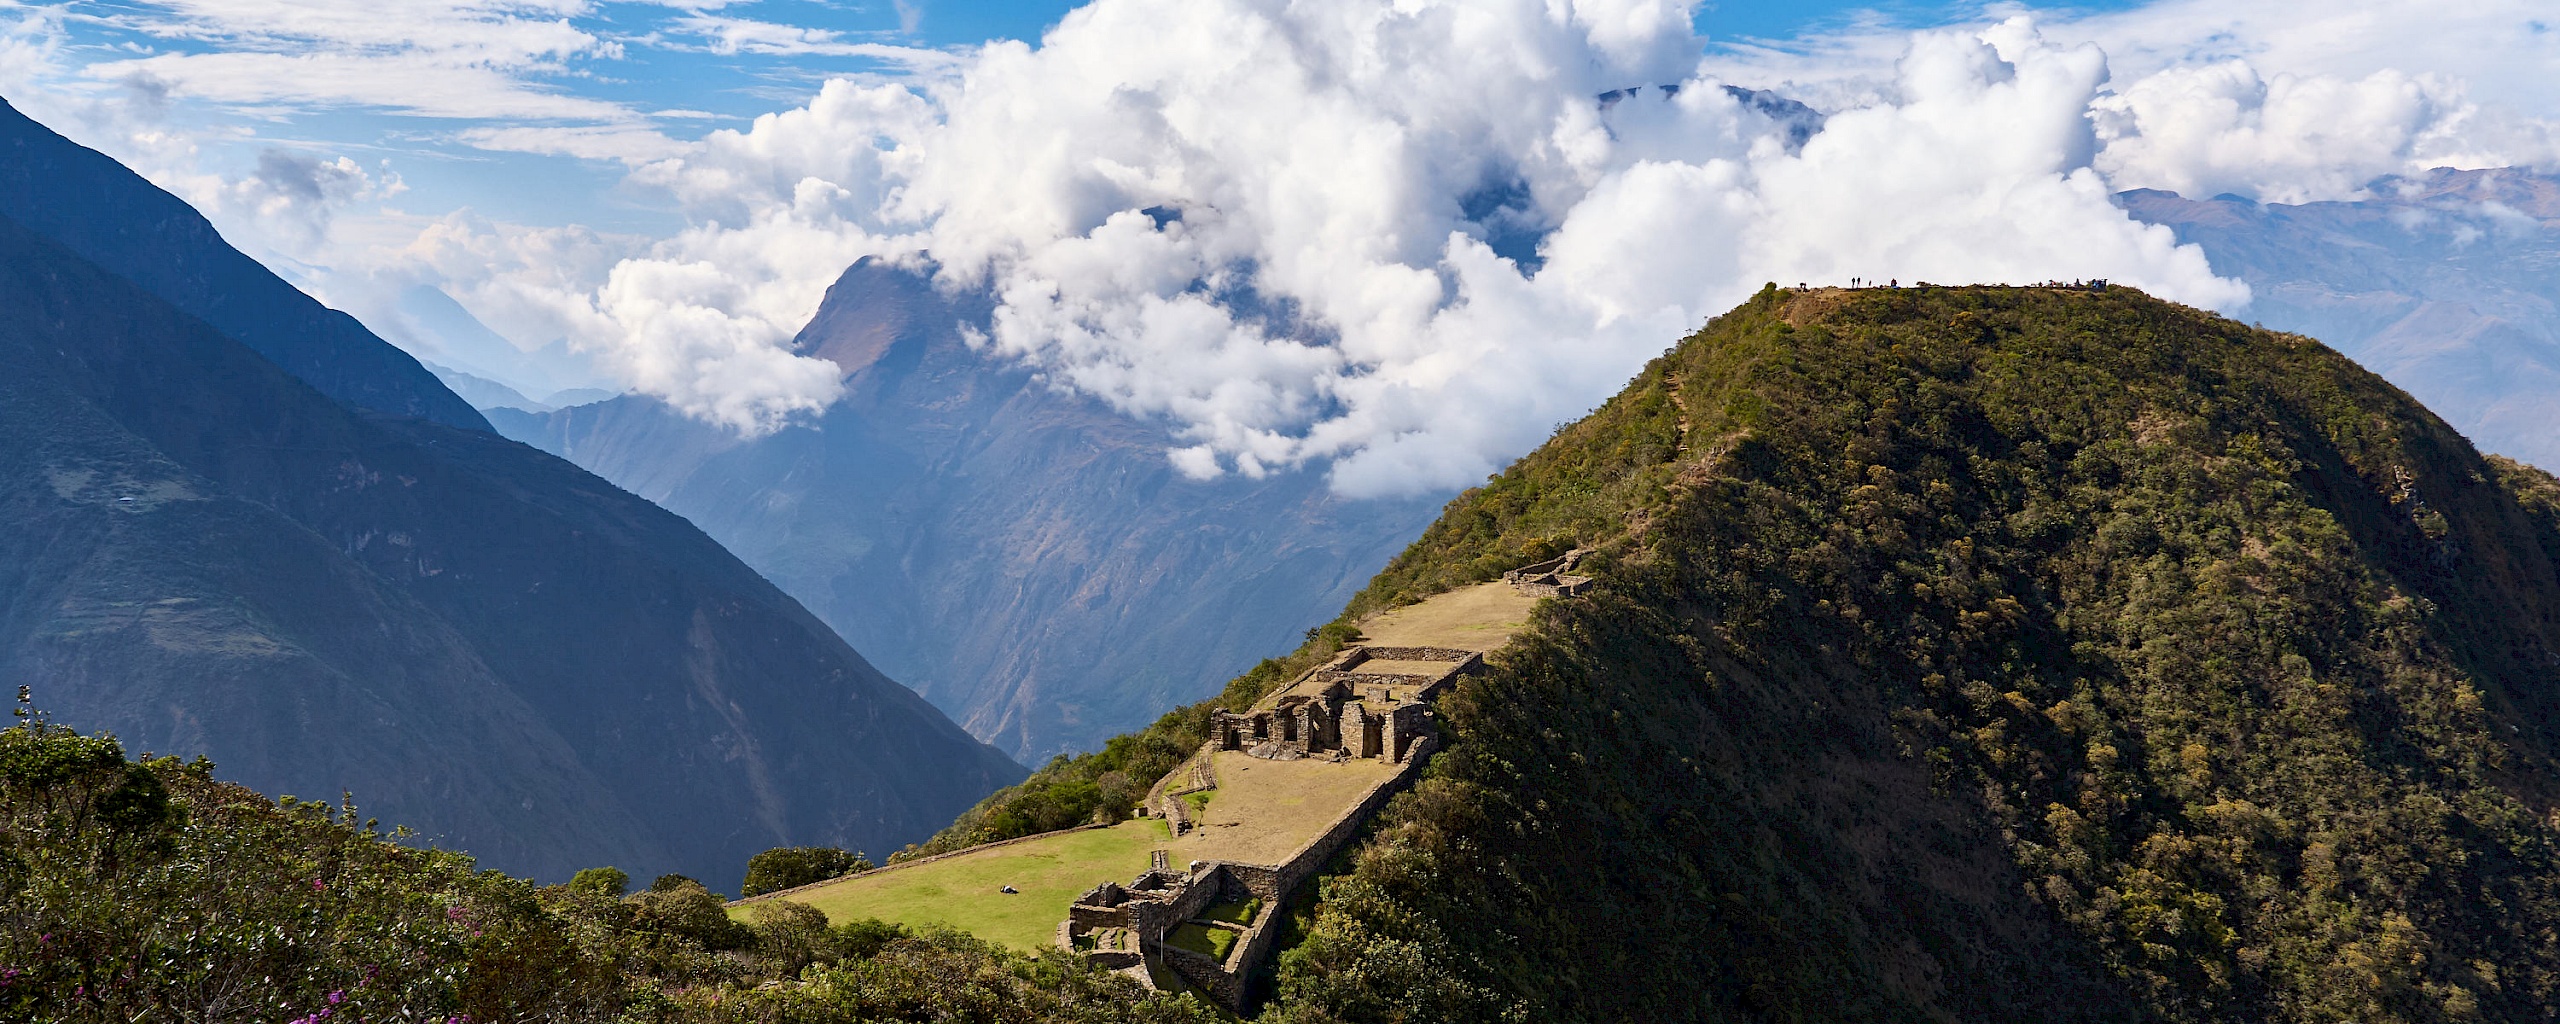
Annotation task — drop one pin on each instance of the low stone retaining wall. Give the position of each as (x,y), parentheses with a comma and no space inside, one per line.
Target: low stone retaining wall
(1461,656)
(1165,800)
(1255,948)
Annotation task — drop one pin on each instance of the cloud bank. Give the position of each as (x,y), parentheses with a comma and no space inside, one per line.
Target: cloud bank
(1402,242)
(1398,242)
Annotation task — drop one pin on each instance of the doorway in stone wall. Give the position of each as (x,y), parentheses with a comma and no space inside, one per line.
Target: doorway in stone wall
(1372,737)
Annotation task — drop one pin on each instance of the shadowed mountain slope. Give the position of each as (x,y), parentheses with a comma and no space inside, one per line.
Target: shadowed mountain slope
(207,556)
(110,216)
(1024,557)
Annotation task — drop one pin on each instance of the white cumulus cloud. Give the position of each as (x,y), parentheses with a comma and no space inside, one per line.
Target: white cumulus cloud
(1398,241)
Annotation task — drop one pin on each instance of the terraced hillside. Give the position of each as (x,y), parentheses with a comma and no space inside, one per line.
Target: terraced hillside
(1270,815)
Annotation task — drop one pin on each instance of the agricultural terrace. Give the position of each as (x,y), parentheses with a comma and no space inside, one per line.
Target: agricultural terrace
(1260,813)
(965,890)
(1263,811)
(1478,618)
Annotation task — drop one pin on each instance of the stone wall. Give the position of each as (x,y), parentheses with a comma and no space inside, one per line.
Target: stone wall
(1554,586)
(1149,907)
(1407,724)
(1212,976)
(1254,948)
(1467,660)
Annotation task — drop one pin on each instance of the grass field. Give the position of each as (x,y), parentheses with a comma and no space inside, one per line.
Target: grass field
(963,891)
(1477,618)
(1200,938)
(1236,912)
(1266,810)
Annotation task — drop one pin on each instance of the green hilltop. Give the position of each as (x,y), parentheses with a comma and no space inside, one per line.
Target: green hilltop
(1985,654)
(1980,654)
(1970,653)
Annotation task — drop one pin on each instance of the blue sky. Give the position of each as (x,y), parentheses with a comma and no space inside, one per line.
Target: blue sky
(663,60)
(946,23)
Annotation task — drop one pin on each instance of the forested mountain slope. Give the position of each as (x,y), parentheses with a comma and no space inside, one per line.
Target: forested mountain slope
(205,555)
(1025,557)
(1984,654)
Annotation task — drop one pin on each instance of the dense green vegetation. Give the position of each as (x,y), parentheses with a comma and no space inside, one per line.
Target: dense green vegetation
(1978,653)
(148,892)
(1984,654)
(789,867)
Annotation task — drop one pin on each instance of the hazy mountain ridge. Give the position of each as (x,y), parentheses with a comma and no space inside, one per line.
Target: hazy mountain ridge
(205,555)
(97,208)
(1026,558)
(2447,284)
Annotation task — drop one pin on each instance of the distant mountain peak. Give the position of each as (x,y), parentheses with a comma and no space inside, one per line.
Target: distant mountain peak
(876,306)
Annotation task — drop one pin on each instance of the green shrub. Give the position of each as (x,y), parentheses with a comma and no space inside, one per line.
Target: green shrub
(148,892)
(789,867)
(608,881)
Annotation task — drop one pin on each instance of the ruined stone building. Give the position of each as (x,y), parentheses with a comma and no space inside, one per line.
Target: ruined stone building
(1550,578)
(1366,702)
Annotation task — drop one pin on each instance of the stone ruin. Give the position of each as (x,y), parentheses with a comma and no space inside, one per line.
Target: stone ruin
(1550,578)
(1366,702)
(1127,927)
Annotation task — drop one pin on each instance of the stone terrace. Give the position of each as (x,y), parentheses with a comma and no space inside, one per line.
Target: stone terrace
(1289,782)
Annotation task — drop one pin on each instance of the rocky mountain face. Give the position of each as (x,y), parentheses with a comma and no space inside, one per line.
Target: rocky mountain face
(2447,284)
(1024,557)
(1983,654)
(209,555)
